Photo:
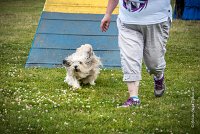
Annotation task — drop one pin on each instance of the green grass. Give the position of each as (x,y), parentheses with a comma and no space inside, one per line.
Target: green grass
(36,100)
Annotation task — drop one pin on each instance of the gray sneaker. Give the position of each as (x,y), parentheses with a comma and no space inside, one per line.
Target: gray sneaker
(159,87)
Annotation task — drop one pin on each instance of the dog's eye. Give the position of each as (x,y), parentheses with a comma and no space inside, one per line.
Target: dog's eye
(80,62)
(89,62)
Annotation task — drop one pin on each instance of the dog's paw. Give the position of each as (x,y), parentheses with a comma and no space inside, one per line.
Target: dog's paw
(66,79)
(76,86)
(92,83)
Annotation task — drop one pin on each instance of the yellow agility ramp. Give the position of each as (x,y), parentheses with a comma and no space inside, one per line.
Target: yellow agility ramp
(65,25)
(77,6)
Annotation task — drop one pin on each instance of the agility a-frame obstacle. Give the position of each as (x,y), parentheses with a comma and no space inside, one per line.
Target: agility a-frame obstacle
(65,25)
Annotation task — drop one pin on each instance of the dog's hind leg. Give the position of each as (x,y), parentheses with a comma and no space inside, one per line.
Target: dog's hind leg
(92,83)
(90,79)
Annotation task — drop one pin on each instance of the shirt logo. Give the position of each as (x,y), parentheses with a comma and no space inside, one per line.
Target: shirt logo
(135,5)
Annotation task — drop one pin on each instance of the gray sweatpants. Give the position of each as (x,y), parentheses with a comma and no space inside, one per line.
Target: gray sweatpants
(137,42)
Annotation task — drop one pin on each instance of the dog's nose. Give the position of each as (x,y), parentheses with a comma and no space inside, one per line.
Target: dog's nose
(75,66)
(64,61)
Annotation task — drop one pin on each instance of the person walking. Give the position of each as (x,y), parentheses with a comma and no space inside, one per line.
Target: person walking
(143,30)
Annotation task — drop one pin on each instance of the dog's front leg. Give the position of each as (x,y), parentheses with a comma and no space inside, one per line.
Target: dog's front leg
(72,81)
(75,83)
(67,79)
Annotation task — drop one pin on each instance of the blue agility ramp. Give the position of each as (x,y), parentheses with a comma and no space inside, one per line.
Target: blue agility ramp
(59,34)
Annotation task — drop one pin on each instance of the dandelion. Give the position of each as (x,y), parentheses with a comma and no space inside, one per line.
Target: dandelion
(133,113)
(5,111)
(64,91)
(114,120)
(29,107)
(88,106)
(66,123)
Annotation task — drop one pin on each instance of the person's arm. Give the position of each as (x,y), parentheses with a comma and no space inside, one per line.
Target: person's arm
(105,22)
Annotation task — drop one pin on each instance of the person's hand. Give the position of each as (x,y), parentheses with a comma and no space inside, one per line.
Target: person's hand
(105,22)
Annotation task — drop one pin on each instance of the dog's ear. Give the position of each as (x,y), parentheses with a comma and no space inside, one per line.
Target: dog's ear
(90,50)
(66,63)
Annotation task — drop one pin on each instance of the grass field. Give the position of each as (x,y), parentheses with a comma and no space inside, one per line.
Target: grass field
(36,100)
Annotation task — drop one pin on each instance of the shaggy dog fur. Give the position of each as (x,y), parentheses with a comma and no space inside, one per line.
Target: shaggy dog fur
(83,66)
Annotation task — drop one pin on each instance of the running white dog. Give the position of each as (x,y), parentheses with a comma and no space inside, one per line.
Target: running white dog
(83,66)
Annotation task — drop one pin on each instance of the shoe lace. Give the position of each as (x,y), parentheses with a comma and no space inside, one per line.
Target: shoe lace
(159,84)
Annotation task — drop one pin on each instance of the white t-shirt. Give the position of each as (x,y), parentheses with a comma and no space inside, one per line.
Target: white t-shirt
(144,12)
